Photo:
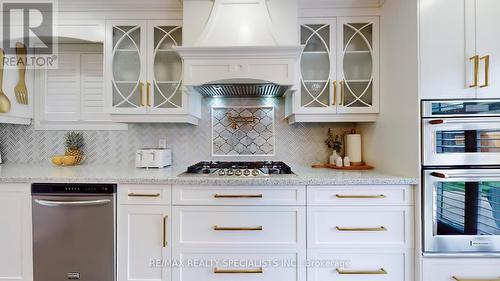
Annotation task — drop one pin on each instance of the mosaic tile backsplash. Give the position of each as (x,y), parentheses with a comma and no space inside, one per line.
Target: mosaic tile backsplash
(298,144)
(243,131)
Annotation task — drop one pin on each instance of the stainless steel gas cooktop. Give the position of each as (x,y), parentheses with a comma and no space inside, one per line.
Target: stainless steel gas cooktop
(240,169)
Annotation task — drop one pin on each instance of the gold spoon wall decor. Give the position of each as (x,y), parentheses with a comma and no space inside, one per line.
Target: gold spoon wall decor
(4,101)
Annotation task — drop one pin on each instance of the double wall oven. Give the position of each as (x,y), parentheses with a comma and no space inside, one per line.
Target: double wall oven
(461,176)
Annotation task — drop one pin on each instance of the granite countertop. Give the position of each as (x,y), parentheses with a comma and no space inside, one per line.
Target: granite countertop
(29,173)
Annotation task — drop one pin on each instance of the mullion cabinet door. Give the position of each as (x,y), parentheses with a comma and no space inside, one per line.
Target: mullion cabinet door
(164,86)
(317,66)
(126,47)
(358,65)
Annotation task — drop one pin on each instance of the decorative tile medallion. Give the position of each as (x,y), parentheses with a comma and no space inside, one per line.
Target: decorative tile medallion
(243,131)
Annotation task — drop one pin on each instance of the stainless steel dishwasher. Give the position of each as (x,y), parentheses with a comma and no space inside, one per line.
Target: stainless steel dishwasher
(74,232)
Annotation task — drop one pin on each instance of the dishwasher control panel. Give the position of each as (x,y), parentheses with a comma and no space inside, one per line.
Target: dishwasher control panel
(86,188)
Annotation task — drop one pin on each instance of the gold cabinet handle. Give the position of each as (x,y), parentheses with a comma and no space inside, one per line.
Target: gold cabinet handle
(334,92)
(148,87)
(141,92)
(360,196)
(238,271)
(155,195)
(486,71)
(382,228)
(364,272)
(342,97)
(164,233)
(476,71)
(238,196)
(222,228)
(475,279)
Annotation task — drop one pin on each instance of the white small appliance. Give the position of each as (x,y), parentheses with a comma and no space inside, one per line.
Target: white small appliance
(153,158)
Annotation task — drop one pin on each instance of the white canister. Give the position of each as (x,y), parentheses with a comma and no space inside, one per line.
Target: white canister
(347,162)
(338,162)
(353,149)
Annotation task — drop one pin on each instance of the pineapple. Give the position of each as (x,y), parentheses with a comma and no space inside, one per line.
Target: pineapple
(74,143)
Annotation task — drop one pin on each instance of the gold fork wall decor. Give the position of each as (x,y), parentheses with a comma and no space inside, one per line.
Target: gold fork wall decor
(20,90)
(239,119)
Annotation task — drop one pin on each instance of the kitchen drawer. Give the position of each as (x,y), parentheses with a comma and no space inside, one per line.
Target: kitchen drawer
(226,226)
(237,195)
(359,227)
(445,269)
(375,195)
(144,194)
(362,266)
(216,265)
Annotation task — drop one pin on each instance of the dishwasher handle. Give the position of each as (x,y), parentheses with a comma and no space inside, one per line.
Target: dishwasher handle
(50,203)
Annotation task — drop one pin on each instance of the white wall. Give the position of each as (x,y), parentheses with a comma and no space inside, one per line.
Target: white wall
(392,143)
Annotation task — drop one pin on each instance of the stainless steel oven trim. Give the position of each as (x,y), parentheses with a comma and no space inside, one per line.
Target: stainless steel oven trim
(454,244)
(427,109)
(431,158)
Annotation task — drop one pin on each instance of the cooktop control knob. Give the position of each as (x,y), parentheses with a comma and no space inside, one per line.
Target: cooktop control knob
(255,172)
(246,172)
(238,172)
(229,172)
(222,172)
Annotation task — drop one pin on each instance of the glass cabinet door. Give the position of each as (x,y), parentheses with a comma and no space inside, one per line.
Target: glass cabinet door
(127,67)
(316,69)
(358,65)
(165,75)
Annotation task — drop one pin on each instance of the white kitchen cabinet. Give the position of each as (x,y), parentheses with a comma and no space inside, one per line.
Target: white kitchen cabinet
(362,265)
(71,96)
(143,242)
(144,73)
(460,269)
(339,71)
(457,49)
(16,254)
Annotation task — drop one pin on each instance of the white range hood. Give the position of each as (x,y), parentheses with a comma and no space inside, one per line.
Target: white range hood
(240,47)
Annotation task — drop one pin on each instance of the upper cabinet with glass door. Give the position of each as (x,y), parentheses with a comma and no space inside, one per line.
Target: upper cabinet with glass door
(358,65)
(317,67)
(126,48)
(164,84)
(338,71)
(144,73)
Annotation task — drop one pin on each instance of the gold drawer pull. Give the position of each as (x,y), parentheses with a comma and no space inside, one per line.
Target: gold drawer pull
(238,271)
(164,234)
(155,195)
(366,272)
(238,196)
(222,228)
(474,279)
(360,196)
(382,228)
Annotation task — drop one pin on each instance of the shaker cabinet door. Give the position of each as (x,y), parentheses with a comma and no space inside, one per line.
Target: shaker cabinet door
(143,242)
(126,66)
(488,48)
(358,64)
(447,49)
(16,257)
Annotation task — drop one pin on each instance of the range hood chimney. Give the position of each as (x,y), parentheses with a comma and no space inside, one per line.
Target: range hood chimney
(240,47)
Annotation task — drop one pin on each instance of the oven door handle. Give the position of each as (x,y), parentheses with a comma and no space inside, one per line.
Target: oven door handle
(473,120)
(462,176)
(50,203)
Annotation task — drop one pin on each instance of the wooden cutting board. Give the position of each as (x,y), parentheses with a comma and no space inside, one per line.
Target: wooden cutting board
(352,168)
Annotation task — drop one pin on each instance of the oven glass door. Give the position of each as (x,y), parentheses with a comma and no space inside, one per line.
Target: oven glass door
(461,141)
(462,210)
